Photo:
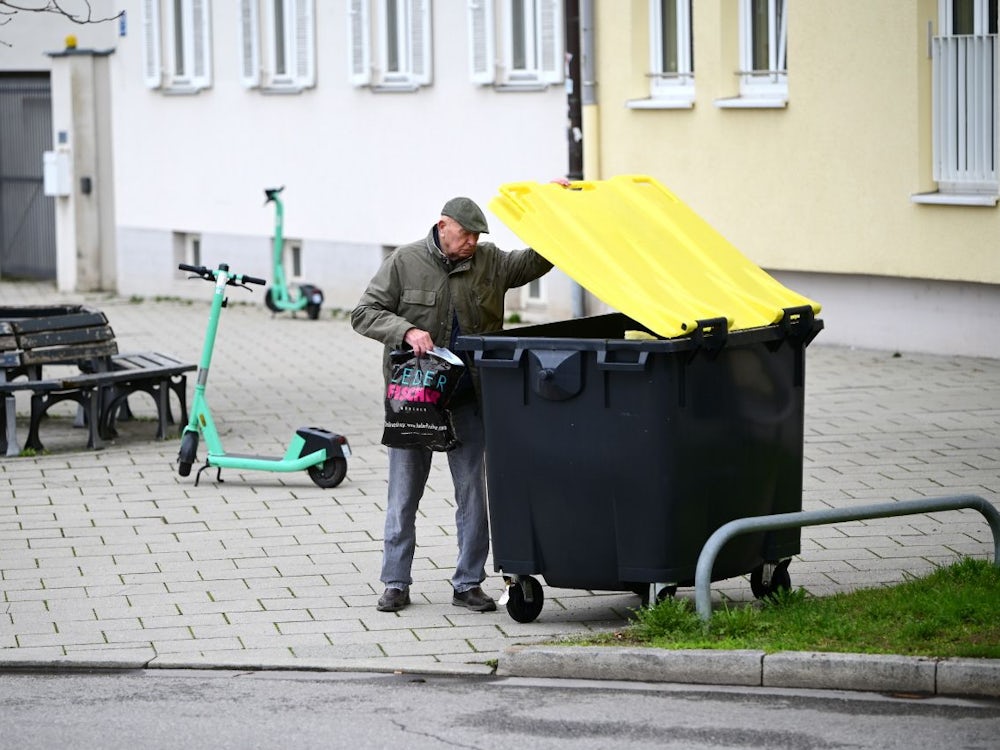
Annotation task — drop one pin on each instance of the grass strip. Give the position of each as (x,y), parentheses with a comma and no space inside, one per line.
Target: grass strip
(952,612)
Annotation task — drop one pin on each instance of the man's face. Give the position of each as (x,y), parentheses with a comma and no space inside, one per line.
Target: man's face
(456,243)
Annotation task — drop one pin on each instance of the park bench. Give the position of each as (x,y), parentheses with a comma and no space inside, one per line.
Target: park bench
(69,353)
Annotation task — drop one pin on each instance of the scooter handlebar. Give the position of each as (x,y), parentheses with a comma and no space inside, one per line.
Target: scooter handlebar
(209,275)
(205,273)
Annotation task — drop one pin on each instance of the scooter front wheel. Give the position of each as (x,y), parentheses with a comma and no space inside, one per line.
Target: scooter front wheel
(330,473)
(188,453)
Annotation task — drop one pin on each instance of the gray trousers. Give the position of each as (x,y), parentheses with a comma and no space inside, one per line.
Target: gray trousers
(408,472)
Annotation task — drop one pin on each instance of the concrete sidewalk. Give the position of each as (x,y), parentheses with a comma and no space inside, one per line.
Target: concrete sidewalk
(109,559)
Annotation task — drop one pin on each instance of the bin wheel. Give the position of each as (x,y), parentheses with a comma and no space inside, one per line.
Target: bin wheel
(330,473)
(780,580)
(312,310)
(518,606)
(642,591)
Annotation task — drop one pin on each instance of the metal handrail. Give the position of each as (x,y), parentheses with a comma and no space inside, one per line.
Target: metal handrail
(715,543)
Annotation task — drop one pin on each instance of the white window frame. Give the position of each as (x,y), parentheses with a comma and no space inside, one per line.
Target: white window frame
(536,293)
(387,61)
(965,105)
(669,89)
(292,259)
(769,87)
(980,17)
(492,54)
(278,45)
(187,249)
(177,45)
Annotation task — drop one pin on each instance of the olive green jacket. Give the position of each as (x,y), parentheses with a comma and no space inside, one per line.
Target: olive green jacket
(417,287)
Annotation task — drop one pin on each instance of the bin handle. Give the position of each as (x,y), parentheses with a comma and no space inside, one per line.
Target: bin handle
(482,360)
(604,364)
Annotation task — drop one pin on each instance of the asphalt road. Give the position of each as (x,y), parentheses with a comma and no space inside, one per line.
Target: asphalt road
(300,710)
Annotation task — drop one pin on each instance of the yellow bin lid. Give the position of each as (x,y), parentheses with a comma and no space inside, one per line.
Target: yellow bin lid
(638,248)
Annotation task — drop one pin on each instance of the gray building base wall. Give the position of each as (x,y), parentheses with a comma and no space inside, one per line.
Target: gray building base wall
(906,315)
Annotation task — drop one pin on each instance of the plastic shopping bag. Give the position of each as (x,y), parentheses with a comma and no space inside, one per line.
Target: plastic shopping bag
(416,400)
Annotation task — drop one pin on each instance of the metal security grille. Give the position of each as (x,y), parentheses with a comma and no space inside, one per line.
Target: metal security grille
(965,112)
(27,216)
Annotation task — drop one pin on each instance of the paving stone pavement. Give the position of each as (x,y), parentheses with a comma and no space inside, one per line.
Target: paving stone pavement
(109,557)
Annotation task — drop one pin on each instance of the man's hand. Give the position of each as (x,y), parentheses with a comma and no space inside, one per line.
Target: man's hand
(420,341)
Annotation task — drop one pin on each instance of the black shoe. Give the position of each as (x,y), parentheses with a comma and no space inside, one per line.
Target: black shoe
(475,600)
(393,600)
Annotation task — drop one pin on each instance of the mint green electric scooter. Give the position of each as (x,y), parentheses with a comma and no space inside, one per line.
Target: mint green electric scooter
(280,297)
(321,453)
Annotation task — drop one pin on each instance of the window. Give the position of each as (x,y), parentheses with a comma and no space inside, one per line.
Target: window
(671,66)
(535,292)
(390,44)
(176,45)
(965,125)
(529,37)
(277,45)
(187,249)
(763,70)
(291,259)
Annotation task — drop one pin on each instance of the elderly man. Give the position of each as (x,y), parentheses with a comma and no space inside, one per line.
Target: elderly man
(426,294)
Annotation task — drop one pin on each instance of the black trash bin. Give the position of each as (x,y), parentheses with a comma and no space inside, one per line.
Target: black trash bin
(611,459)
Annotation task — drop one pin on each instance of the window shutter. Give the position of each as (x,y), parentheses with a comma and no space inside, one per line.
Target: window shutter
(420,42)
(359,43)
(551,65)
(305,48)
(152,68)
(249,44)
(482,41)
(202,39)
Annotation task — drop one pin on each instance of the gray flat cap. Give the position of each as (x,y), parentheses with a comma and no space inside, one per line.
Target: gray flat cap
(467,213)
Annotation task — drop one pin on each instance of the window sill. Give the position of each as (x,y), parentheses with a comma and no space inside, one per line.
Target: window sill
(280,90)
(504,88)
(181,90)
(661,103)
(955,199)
(752,102)
(400,87)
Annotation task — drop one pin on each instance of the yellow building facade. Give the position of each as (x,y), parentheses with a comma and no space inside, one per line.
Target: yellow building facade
(850,148)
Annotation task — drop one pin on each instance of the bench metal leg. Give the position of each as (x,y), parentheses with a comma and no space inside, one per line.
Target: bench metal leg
(8,439)
(88,399)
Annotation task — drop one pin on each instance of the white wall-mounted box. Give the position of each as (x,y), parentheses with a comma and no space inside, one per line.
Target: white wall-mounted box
(55,173)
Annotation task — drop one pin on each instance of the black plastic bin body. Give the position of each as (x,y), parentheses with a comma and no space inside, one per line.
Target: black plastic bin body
(610,461)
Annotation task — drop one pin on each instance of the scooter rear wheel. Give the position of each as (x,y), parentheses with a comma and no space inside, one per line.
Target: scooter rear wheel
(330,473)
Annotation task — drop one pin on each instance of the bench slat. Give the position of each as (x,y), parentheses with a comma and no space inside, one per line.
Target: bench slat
(65,336)
(69,353)
(33,319)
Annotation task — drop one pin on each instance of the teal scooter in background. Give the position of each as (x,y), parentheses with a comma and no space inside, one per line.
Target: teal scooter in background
(279,297)
(321,453)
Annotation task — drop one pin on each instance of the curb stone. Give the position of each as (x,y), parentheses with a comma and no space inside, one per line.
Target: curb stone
(702,666)
(813,670)
(969,677)
(870,672)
